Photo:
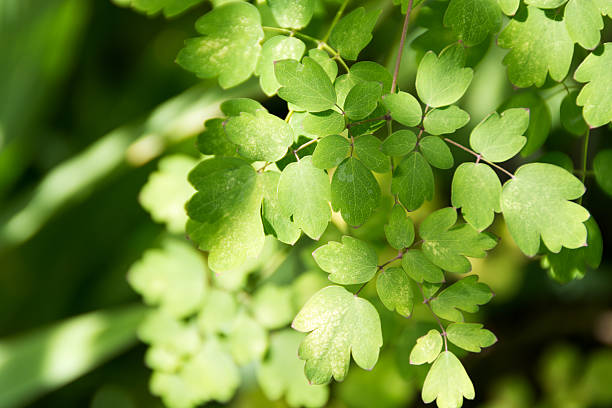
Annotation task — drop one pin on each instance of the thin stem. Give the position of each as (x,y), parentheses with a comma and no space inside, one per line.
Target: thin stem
(289,115)
(335,54)
(426,302)
(297,34)
(335,20)
(398,61)
(479,157)
(585,151)
(306,144)
(360,122)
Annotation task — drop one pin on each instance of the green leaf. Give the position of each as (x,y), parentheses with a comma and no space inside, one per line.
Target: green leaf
(225,212)
(477,191)
(248,340)
(217,313)
(470,336)
(571,115)
(362,99)
(413,181)
(540,120)
(262,136)
(167,190)
(396,291)
(535,204)
(447,245)
(596,96)
(368,149)
(354,191)
(509,7)
(176,336)
(532,55)
(403,107)
(304,192)
(558,159)
(449,65)
(499,137)
(436,152)
(473,20)
(276,222)
(353,32)
(171,8)
(602,166)
(583,21)
(276,48)
(447,382)
(305,85)
(292,13)
(466,294)
(213,141)
(340,324)
(324,123)
(273,306)
(400,229)
(371,71)
(350,262)
(546,4)
(235,106)
(427,348)
(330,151)
(399,143)
(328,64)
(445,120)
(230,46)
(172,278)
(571,264)
(296,121)
(419,268)
(282,373)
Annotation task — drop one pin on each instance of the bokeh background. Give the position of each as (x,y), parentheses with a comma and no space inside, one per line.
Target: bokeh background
(91,99)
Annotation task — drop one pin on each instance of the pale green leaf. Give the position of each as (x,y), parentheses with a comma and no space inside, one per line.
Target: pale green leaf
(368,149)
(324,123)
(500,137)
(535,204)
(419,268)
(225,212)
(292,13)
(403,107)
(248,340)
(427,348)
(602,166)
(596,96)
(413,181)
(330,151)
(350,262)
(546,4)
(277,222)
(276,48)
(538,45)
(477,191)
(470,336)
(296,121)
(400,229)
(163,330)
(304,192)
(230,46)
(466,294)
(306,85)
(262,136)
(273,306)
(171,8)
(354,191)
(396,291)
(540,120)
(445,120)
(447,382)
(362,99)
(172,278)
(328,64)
(448,65)
(473,20)
(399,143)
(167,190)
(509,7)
(570,115)
(436,152)
(353,32)
(583,21)
(235,106)
(448,245)
(371,71)
(218,312)
(341,324)
(214,142)
(282,373)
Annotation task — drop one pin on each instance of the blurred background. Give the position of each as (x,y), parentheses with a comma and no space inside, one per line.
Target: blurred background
(91,100)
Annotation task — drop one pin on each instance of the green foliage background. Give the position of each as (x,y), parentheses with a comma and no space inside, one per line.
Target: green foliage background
(91,102)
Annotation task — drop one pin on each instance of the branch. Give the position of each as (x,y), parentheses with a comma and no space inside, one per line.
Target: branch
(398,61)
